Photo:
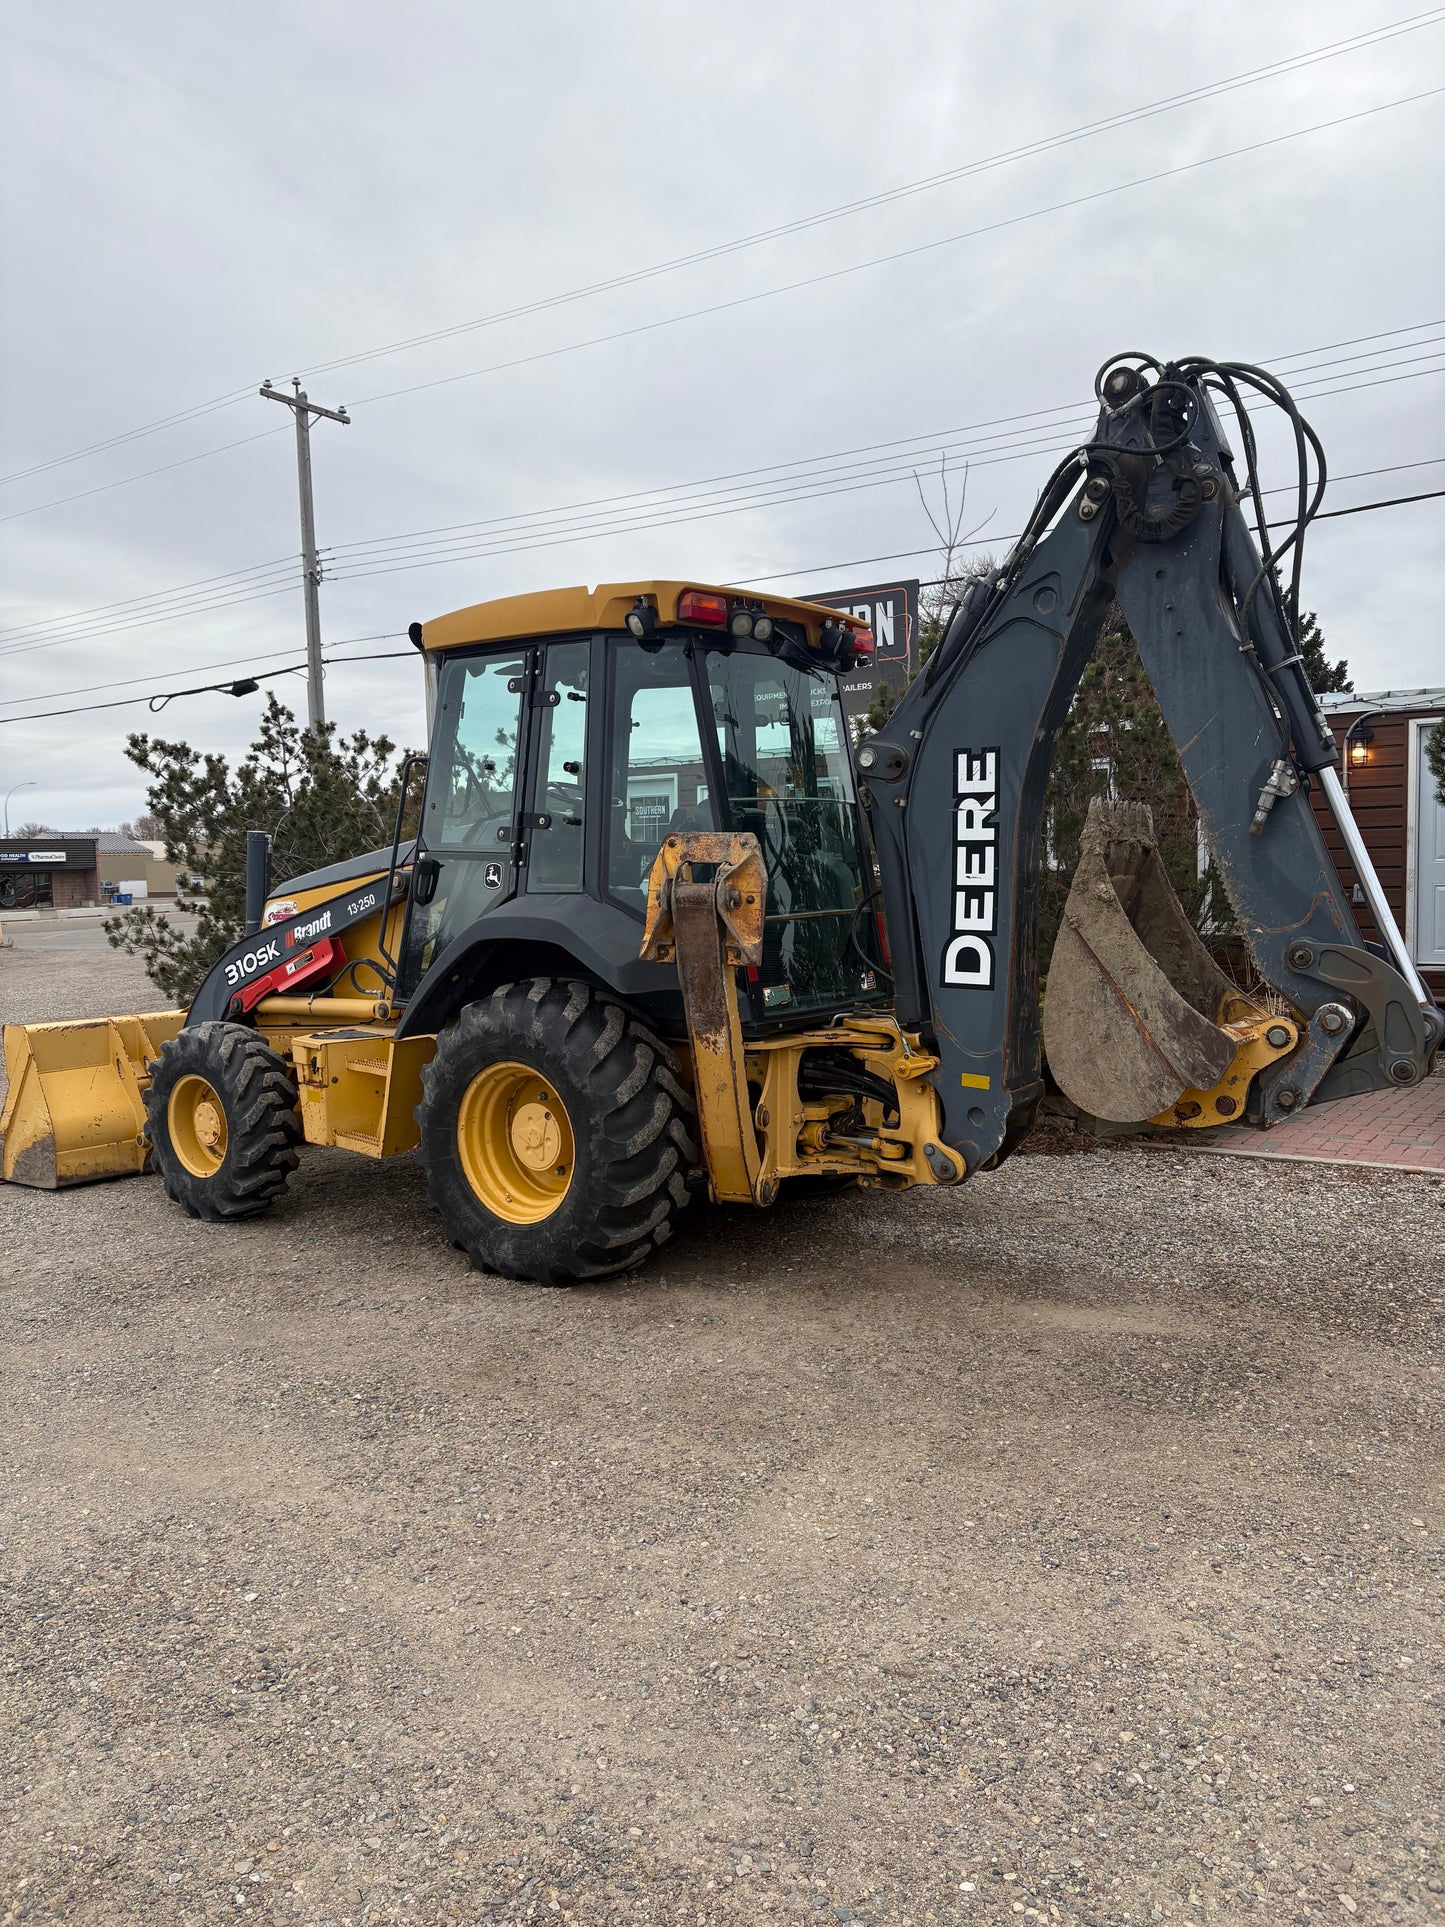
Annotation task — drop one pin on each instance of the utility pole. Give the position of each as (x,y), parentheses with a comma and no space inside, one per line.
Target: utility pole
(311,566)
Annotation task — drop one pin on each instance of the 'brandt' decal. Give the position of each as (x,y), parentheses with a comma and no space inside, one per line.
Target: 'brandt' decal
(968,956)
(304,932)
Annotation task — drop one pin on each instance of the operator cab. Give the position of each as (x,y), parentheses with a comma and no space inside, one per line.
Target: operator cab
(574,730)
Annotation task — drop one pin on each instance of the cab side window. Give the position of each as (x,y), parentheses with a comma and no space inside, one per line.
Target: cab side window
(657,780)
(472,784)
(561,787)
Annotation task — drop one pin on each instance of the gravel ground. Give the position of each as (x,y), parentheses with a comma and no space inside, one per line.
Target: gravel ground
(1067,1548)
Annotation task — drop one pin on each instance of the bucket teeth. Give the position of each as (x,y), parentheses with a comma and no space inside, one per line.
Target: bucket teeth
(1133,999)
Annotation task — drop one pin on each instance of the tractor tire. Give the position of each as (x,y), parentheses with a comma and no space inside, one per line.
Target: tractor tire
(222,1121)
(556,1135)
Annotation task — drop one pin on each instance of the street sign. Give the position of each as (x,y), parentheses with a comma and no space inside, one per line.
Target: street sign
(891,611)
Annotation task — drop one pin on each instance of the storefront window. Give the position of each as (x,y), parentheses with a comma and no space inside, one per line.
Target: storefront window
(26,890)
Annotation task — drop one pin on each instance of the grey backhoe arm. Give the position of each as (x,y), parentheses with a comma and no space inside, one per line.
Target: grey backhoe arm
(1148,512)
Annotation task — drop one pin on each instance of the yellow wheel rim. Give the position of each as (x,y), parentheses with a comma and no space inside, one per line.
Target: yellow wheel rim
(196,1120)
(515,1142)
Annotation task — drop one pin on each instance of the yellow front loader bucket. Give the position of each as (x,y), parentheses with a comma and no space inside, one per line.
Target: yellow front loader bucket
(75,1108)
(1139,1022)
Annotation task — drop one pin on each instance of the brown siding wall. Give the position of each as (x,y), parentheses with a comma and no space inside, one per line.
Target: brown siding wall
(1379,799)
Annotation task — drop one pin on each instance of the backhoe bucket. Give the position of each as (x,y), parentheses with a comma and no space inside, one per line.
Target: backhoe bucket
(75,1107)
(1134,1006)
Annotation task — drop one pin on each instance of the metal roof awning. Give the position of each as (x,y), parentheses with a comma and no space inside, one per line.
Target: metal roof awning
(1380,701)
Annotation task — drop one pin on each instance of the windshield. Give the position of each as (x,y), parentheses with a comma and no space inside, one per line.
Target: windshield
(788,778)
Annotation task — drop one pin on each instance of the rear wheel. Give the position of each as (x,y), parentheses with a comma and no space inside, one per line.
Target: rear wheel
(222,1121)
(556,1135)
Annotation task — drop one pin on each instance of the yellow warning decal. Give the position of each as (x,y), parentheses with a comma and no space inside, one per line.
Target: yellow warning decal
(973,1082)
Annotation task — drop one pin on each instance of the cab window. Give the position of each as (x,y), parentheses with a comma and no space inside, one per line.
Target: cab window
(472,783)
(561,788)
(782,736)
(657,780)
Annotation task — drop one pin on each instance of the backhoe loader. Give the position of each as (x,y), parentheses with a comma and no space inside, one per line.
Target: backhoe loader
(661,929)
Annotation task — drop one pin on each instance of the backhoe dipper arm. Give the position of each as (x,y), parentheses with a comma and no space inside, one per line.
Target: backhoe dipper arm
(1147,512)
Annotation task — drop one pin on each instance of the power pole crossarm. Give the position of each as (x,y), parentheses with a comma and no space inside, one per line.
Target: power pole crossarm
(304,408)
(300,400)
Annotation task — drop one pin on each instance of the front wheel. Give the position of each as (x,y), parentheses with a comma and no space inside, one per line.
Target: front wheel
(556,1136)
(222,1121)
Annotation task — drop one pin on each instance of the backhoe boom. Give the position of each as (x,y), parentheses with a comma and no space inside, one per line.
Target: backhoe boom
(1148,512)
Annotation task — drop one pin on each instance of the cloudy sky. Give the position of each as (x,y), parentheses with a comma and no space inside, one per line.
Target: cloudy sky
(195,197)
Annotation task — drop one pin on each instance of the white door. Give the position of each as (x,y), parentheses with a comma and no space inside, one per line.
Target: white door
(1429,858)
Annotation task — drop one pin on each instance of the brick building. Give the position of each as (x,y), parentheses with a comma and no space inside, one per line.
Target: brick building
(45,872)
(49,870)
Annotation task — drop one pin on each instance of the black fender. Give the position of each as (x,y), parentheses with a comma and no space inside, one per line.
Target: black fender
(546,936)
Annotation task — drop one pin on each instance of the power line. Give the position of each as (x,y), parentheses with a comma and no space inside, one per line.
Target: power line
(793,287)
(124,481)
(133,434)
(155,597)
(780,575)
(903,254)
(389,554)
(1360,508)
(550,529)
(161,698)
(21,648)
(219,590)
(1277,69)
(987,542)
(681,515)
(1272,70)
(927,438)
(276,656)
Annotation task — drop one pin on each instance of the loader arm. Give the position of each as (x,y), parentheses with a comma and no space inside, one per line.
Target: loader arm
(1149,512)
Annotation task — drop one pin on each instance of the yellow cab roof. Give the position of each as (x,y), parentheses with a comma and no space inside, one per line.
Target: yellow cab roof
(550,612)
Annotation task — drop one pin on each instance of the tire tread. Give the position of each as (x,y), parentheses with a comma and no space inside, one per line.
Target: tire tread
(639,1130)
(263,1123)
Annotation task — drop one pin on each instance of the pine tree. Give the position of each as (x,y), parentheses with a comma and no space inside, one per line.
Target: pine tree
(1435,757)
(1115,742)
(320,797)
(1325,678)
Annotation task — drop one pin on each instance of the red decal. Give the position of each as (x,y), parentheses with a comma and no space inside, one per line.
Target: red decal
(321,960)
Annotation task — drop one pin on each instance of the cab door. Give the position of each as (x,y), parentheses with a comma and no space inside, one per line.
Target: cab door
(469,842)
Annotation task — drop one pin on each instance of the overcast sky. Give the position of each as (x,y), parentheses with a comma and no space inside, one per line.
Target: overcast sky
(196,197)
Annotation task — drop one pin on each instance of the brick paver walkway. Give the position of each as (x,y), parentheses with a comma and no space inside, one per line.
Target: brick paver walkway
(1398,1130)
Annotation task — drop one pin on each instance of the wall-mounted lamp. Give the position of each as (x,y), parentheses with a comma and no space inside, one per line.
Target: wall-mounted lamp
(1358,737)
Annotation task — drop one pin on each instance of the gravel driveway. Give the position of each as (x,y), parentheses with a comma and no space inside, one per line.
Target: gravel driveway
(1066,1547)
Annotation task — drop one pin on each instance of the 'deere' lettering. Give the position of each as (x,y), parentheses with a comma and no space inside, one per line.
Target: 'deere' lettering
(968,956)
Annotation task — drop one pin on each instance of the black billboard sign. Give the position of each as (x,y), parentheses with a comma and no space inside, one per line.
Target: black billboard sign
(42,851)
(891,610)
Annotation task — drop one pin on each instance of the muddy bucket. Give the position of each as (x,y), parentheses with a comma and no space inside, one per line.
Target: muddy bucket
(1135,1008)
(75,1107)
